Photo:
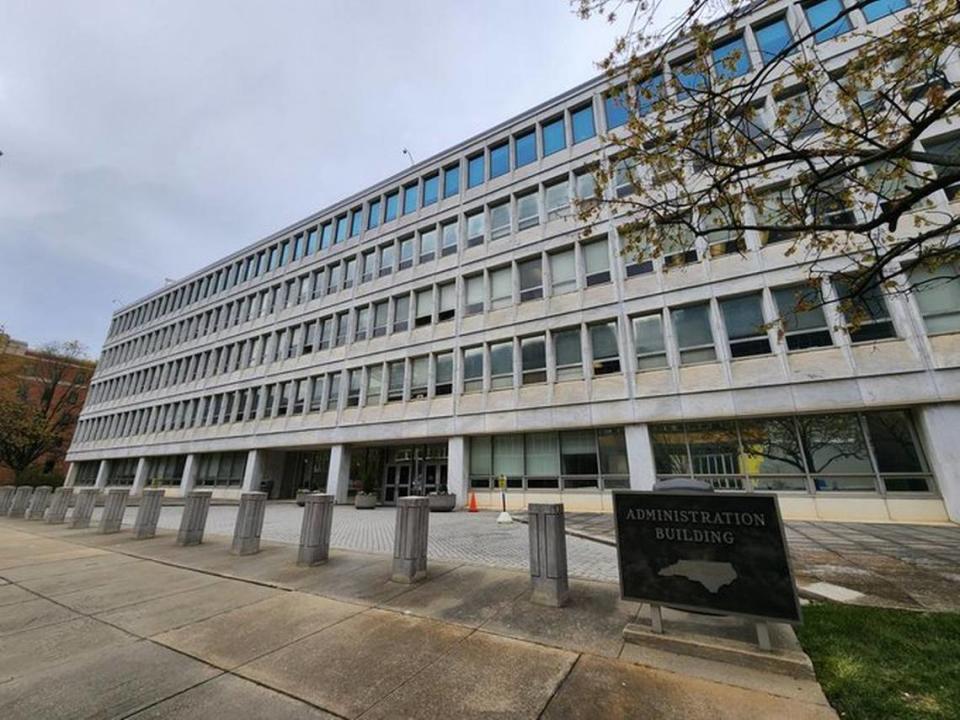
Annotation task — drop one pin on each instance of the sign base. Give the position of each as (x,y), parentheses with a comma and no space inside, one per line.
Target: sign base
(504,518)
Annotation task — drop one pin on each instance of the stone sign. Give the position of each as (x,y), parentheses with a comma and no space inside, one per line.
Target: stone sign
(698,551)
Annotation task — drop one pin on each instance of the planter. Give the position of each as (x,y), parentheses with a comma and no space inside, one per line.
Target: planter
(365,501)
(442,503)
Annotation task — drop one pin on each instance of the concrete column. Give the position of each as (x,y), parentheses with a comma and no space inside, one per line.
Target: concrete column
(6,498)
(21,499)
(115,504)
(71,475)
(458,476)
(189,477)
(253,471)
(151,501)
(59,504)
(246,533)
(195,507)
(39,502)
(938,427)
(315,530)
(643,470)
(338,475)
(140,477)
(103,472)
(410,540)
(83,509)
(548,554)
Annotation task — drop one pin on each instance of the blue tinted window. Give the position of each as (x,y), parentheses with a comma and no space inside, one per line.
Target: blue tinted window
(525,148)
(825,21)
(393,200)
(881,8)
(499,160)
(688,78)
(341,230)
(554,137)
(431,190)
(298,247)
(451,180)
(615,107)
(730,60)
(772,39)
(355,221)
(284,252)
(373,215)
(581,122)
(648,92)
(409,198)
(326,233)
(311,241)
(475,171)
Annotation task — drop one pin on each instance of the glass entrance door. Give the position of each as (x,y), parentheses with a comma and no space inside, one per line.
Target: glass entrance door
(397,482)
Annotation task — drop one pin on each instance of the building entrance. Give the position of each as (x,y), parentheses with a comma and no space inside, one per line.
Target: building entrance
(417,470)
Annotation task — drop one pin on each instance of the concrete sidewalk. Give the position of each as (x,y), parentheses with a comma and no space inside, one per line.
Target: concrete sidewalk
(109,627)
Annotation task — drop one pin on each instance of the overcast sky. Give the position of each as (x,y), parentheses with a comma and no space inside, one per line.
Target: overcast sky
(143,140)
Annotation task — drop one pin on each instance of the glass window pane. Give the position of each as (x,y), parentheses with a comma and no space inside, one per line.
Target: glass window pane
(531,274)
(648,340)
(499,160)
(603,339)
(881,8)
(596,257)
(393,200)
(730,59)
(581,122)
(444,370)
(451,180)
(501,287)
(613,451)
(770,447)
(542,454)
(892,441)
(474,290)
(649,92)
(694,337)
(825,21)
(772,39)
(480,456)
(567,347)
(431,189)
(938,297)
(615,106)
(714,448)
(409,198)
(508,455)
(670,449)
(743,316)
(563,270)
(473,363)
(475,171)
(554,137)
(533,355)
(525,147)
(578,452)
(833,444)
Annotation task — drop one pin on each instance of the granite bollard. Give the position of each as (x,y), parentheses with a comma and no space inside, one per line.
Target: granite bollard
(548,554)
(195,507)
(83,509)
(315,530)
(21,499)
(59,503)
(410,540)
(246,533)
(39,502)
(113,509)
(151,501)
(6,498)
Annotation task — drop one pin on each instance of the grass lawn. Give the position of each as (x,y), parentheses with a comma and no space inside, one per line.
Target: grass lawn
(878,664)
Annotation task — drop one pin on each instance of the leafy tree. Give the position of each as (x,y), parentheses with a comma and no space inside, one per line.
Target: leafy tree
(831,156)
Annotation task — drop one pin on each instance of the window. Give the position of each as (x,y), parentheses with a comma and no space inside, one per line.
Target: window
(578,456)
(899,459)
(473,369)
(333,391)
(353,388)
(563,272)
(694,337)
(409,198)
(623,177)
(499,160)
(581,123)
(554,136)
(868,312)
(648,342)
(528,210)
(333,278)
(777,211)
(419,377)
(326,231)
(356,219)
(501,365)
(830,206)
(773,38)
(451,180)
(615,107)
(380,319)
(392,202)
(316,395)
(586,187)
(443,374)
(362,323)
(386,259)
(501,287)
(938,297)
(801,312)
(730,59)
(689,78)
(603,344)
(448,301)
(309,332)
(541,460)
(533,354)
(326,333)
(221,469)
(508,458)
(343,323)
(836,453)
(424,307)
(475,170)
(881,8)
(341,233)
(950,150)
(374,384)
(298,252)
(557,199)
(401,313)
(596,259)
(801,117)
(825,19)
(525,148)
(349,272)
(476,228)
(531,279)
(406,253)
(373,214)
(431,189)
(473,294)
(500,220)
(450,234)
(428,245)
(649,92)
(746,330)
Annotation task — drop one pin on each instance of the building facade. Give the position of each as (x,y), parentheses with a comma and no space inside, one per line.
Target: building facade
(461,319)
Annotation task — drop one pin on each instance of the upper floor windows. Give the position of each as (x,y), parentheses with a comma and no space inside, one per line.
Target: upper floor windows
(881,8)
(801,313)
(373,214)
(392,203)
(730,59)
(827,19)
(746,330)
(341,234)
(475,170)
(938,297)
(554,136)
(773,38)
(431,189)
(581,123)
(648,92)
(525,148)
(451,180)
(356,218)
(409,198)
(499,160)
(615,108)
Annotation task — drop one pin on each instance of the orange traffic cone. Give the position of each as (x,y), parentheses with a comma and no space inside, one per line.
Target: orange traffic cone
(473,502)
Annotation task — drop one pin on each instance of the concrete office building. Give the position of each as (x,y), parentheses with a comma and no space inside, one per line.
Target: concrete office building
(458,316)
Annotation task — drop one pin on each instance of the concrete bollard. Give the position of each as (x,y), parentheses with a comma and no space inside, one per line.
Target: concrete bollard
(21,499)
(83,509)
(410,540)
(39,502)
(113,508)
(151,501)
(548,554)
(315,530)
(195,507)
(246,533)
(6,498)
(59,504)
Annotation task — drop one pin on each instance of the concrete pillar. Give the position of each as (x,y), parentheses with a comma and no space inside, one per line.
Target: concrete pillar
(548,554)
(315,530)
(21,499)
(114,506)
(338,475)
(253,471)
(938,427)
(189,477)
(140,477)
(151,501)
(6,498)
(59,504)
(39,502)
(458,469)
(195,507)
(103,472)
(83,509)
(643,470)
(71,475)
(246,533)
(410,540)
